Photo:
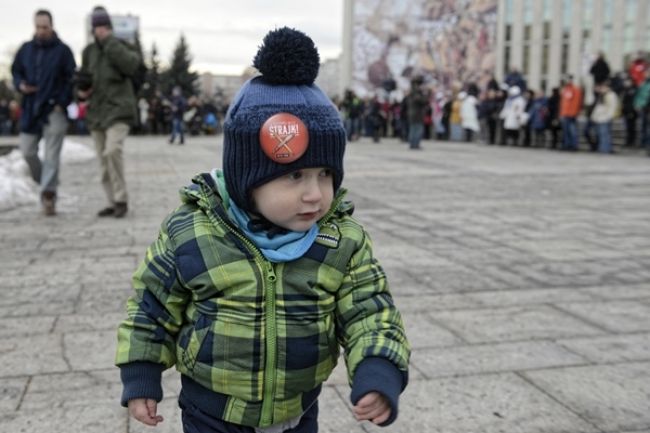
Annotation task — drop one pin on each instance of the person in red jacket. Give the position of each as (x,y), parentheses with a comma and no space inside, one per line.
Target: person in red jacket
(570,106)
(637,70)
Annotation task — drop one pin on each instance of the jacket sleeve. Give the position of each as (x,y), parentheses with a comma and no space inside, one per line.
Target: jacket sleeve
(64,97)
(370,329)
(122,57)
(18,69)
(146,339)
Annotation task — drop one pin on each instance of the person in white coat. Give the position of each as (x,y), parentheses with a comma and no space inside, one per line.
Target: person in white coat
(514,115)
(602,116)
(469,115)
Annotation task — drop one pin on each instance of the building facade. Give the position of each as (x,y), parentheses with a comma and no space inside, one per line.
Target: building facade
(546,39)
(469,40)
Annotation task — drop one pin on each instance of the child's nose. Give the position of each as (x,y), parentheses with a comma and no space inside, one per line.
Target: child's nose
(312,192)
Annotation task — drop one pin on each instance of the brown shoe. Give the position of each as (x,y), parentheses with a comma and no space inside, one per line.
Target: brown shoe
(48,200)
(120,210)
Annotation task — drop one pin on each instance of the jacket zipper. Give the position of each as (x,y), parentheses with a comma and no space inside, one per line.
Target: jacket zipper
(266,417)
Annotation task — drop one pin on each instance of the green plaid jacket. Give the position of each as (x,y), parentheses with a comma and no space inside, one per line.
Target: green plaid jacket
(262,334)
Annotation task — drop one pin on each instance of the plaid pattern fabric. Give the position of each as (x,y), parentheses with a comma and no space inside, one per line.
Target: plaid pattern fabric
(264,334)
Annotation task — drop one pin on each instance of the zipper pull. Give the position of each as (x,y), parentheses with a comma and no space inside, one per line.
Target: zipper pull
(270,273)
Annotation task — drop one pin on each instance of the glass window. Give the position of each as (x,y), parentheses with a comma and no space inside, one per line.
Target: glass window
(509,11)
(547,30)
(608,11)
(506,60)
(630,11)
(548,10)
(508,32)
(588,13)
(527,32)
(607,39)
(564,66)
(545,55)
(566,13)
(528,11)
(526,68)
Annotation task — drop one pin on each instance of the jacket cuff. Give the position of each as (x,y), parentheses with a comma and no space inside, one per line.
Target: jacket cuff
(382,376)
(141,380)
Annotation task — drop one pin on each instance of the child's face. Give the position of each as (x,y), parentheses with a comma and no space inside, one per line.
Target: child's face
(296,200)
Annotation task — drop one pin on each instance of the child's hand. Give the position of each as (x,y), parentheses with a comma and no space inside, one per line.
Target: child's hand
(372,406)
(144,410)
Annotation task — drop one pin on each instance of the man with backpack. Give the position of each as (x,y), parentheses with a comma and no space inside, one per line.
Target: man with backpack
(112,108)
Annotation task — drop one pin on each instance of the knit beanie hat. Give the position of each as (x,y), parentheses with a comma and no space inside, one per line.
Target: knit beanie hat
(100,17)
(280,121)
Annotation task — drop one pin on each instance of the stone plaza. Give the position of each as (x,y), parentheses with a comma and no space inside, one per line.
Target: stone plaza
(523,276)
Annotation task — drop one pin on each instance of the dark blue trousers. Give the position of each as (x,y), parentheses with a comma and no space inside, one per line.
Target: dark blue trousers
(197,421)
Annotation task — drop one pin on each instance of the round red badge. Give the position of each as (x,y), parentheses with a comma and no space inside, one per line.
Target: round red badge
(284,138)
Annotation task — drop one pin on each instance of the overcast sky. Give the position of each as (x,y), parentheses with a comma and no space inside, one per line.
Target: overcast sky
(223,36)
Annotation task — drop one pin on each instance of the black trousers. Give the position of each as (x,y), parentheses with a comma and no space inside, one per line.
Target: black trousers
(196,421)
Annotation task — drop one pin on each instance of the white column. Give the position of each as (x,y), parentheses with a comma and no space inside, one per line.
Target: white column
(501,40)
(517,45)
(640,26)
(597,27)
(345,71)
(575,39)
(555,56)
(616,54)
(537,40)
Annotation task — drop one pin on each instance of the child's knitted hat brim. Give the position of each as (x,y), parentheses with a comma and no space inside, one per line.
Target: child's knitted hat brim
(288,61)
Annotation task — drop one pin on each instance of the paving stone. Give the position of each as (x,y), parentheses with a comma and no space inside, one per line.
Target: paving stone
(513,323)
(76,389)
(421,331)
(492,358)
(11,393)
(619,291)
(487,404)
(506,298)
(617,316)
(92,419)
(426,303)
(610,349)
(90,350)
(20,356)
(25,326)
(613,397)
(89,322)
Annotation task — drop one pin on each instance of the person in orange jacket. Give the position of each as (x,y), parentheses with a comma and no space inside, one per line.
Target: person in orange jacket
(570,106)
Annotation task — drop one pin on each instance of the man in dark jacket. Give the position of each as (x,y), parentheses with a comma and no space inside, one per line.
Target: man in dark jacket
(418,100)
(112,108)
(600,69)
(42,71)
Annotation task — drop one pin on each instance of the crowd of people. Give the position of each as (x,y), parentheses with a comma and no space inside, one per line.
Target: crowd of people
(510,113)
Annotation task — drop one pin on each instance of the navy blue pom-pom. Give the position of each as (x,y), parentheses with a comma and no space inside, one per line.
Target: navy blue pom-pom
(287,56)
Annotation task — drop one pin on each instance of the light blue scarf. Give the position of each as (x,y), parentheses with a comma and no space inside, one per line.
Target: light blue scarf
(282,247)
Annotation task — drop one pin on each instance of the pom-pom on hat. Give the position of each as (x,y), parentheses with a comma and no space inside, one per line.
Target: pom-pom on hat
(281,121)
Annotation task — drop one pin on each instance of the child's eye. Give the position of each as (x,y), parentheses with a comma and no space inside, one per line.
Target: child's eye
(326,172)
(295,175)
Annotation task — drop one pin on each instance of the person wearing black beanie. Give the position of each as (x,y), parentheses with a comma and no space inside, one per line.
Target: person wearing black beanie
(261,275)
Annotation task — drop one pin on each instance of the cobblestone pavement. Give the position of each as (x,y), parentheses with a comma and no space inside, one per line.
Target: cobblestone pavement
(523,277)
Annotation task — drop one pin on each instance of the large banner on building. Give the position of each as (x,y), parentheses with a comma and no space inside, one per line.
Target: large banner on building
(445,41)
